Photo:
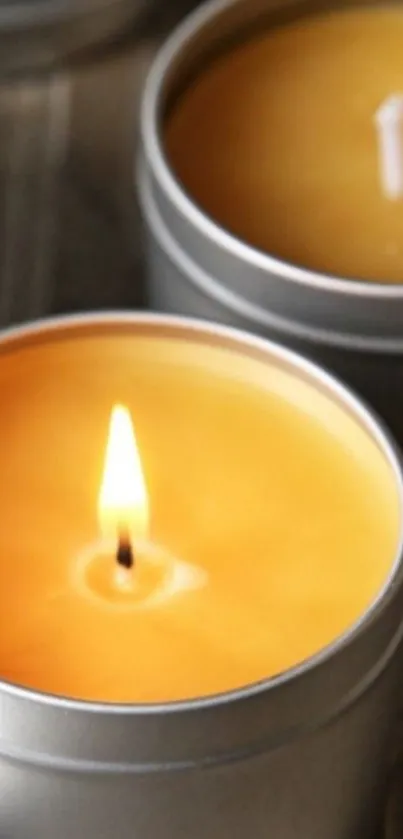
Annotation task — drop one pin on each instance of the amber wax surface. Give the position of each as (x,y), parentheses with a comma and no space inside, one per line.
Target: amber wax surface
(277,142)
(276,498)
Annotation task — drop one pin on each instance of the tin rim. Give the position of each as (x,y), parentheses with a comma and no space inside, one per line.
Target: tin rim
(46,328)
(239,305)
(153,149)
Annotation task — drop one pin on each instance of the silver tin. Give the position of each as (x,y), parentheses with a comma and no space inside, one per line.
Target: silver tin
(197,268)
(304,754)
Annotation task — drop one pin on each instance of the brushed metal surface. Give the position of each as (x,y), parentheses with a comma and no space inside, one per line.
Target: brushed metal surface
(393,823)
(66,138)
(39,178)
(39,36)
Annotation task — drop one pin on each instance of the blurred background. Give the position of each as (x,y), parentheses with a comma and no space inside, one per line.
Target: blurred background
(69,222)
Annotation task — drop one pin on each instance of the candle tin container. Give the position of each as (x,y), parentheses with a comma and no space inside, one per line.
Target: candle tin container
(305,753)
(197,268)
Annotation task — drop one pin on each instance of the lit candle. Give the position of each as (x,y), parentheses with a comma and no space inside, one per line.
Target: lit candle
(241,520)
(283,141)
(124,565)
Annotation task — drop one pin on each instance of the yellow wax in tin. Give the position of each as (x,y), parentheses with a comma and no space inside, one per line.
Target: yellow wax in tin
(276,141)
(260,484)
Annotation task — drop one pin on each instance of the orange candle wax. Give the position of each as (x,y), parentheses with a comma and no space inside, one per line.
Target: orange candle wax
(277,141)
(271,518)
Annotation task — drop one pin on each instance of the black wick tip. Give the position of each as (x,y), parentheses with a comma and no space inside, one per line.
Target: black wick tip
(124,554)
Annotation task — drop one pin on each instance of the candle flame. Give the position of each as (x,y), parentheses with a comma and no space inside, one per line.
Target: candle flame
(123,502)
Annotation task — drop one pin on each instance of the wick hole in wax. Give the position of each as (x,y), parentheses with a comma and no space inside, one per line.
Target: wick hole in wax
(155,576)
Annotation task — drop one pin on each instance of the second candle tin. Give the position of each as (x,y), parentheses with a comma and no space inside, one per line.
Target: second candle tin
(196,267)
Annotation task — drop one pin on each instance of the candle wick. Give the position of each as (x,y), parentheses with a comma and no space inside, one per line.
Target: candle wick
(124,553)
